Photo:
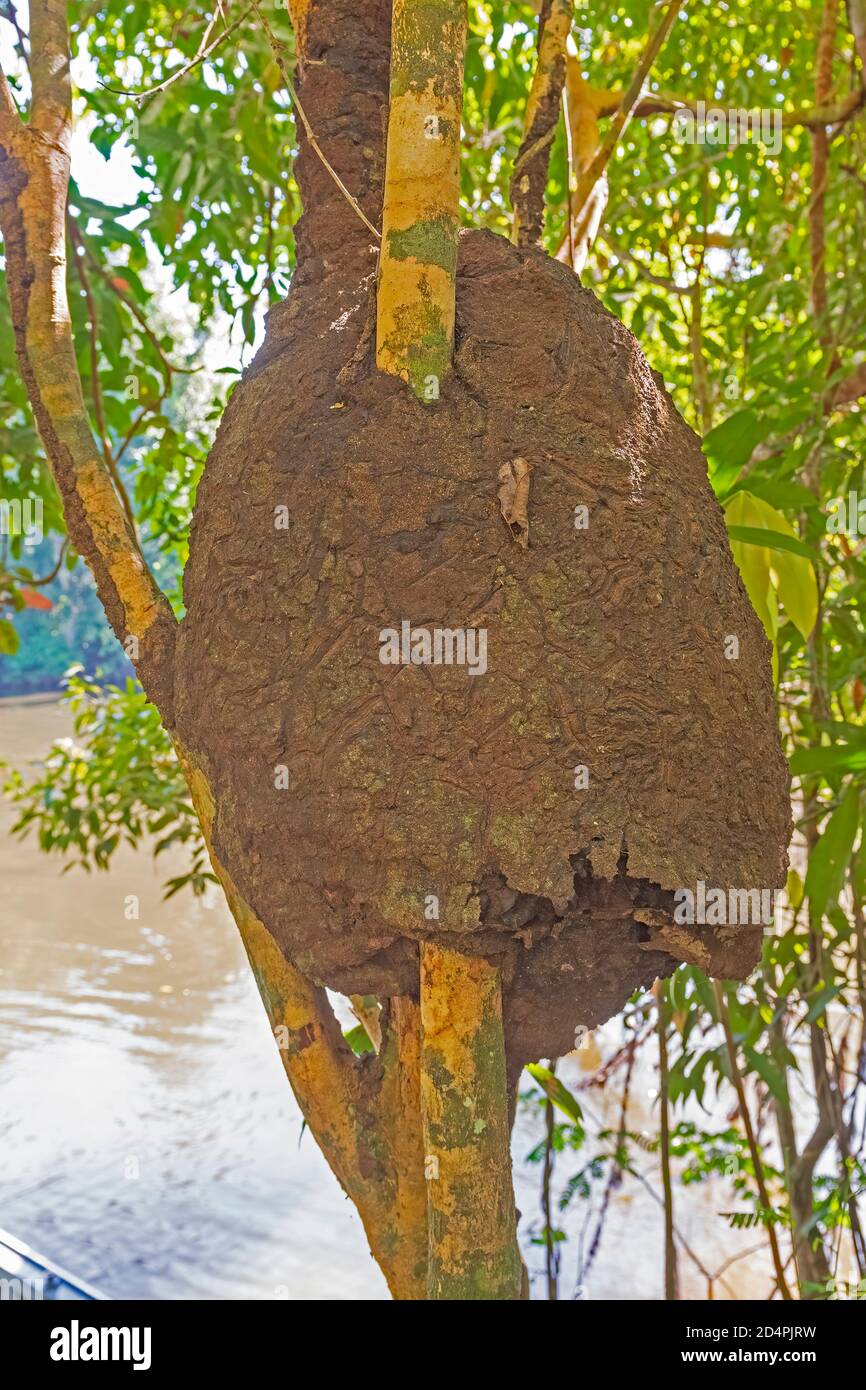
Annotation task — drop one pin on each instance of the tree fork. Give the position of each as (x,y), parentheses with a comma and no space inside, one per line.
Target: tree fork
(418,257)
(584,105)
(464,1109)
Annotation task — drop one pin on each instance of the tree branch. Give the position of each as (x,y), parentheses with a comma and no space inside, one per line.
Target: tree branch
(583,103)
(400,1121)
(820,162)
(851,389)
(98,409)
(746,1118)
(464,1107)
(51,106)
(826,113)
(857,25)
(34,179)
(9,118)
(415,303)
(204,51)
(529,178)
(671,1271)
(626,106)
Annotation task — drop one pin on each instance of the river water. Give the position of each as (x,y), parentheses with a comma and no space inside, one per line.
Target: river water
(150,1143)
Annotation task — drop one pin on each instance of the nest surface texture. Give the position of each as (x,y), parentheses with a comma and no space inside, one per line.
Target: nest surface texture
(620,742)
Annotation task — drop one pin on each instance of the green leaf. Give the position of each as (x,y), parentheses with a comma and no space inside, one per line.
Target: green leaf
(794,889)
(842,730)
(830,757)
(828,861)
(819,1004)
(359,1040)
(558,1094)
(773,540)
(782,563)
(730,445)
(769,1073)
(783,495)
(8,638)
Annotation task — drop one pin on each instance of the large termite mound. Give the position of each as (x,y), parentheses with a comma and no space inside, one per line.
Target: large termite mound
(541,805)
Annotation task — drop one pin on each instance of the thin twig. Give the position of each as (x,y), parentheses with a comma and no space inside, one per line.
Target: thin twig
(629,101)
(95,388)
(569,190)
(10,116)
(614,1177)
(203,52)
(168,367)
(671,1281)
(623,254)
(550,1248)
(746,1118)
(650,1190)
(55,570)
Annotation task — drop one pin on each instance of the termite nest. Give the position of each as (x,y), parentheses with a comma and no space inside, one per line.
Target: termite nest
(607,649)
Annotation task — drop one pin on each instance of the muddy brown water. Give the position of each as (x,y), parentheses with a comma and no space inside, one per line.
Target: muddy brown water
(150,1143)
(149,1140)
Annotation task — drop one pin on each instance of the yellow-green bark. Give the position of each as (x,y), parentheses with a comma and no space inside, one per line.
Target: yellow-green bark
(418,259)
(400,1110)
(464,1108)
(298,13)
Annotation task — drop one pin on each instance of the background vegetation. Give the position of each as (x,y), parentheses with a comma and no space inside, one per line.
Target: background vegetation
(741,272)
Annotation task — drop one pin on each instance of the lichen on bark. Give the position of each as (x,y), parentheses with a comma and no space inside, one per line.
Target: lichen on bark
(473,1243)
(418,258)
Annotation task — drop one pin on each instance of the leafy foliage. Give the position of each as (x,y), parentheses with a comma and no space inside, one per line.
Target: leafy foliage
(116,782)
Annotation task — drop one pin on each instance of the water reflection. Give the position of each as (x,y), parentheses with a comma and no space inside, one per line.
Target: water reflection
(150,1142)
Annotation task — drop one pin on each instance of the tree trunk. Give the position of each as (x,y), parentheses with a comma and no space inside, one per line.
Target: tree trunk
(418,265)
(464,1105)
